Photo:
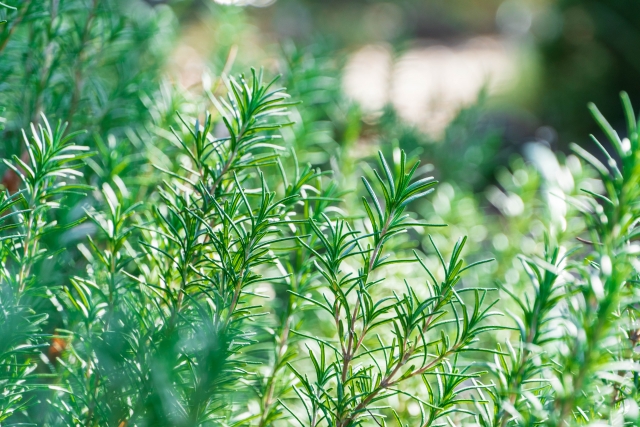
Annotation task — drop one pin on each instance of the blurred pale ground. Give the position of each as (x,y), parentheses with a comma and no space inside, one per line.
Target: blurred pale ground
(427,81)
(428,85)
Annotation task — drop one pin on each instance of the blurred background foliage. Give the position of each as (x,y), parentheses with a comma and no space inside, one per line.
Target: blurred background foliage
(423,60)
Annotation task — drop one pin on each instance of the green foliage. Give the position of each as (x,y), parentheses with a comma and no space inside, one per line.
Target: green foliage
(196,259)
(48,176)
(74,56)
(575,360)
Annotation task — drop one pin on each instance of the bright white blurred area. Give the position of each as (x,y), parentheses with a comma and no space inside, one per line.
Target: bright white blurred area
(254,3)
(428,85)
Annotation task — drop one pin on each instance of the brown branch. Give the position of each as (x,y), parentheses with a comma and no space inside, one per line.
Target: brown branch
(388,382)
(588,242)
(351,348)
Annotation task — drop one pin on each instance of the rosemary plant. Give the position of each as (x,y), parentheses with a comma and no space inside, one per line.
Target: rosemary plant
(367,364)
(599,357)
(575,360)
(195,260)
(48,174)
(523,371)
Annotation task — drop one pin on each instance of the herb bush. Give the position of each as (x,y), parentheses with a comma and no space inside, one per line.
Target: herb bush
(180,259)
